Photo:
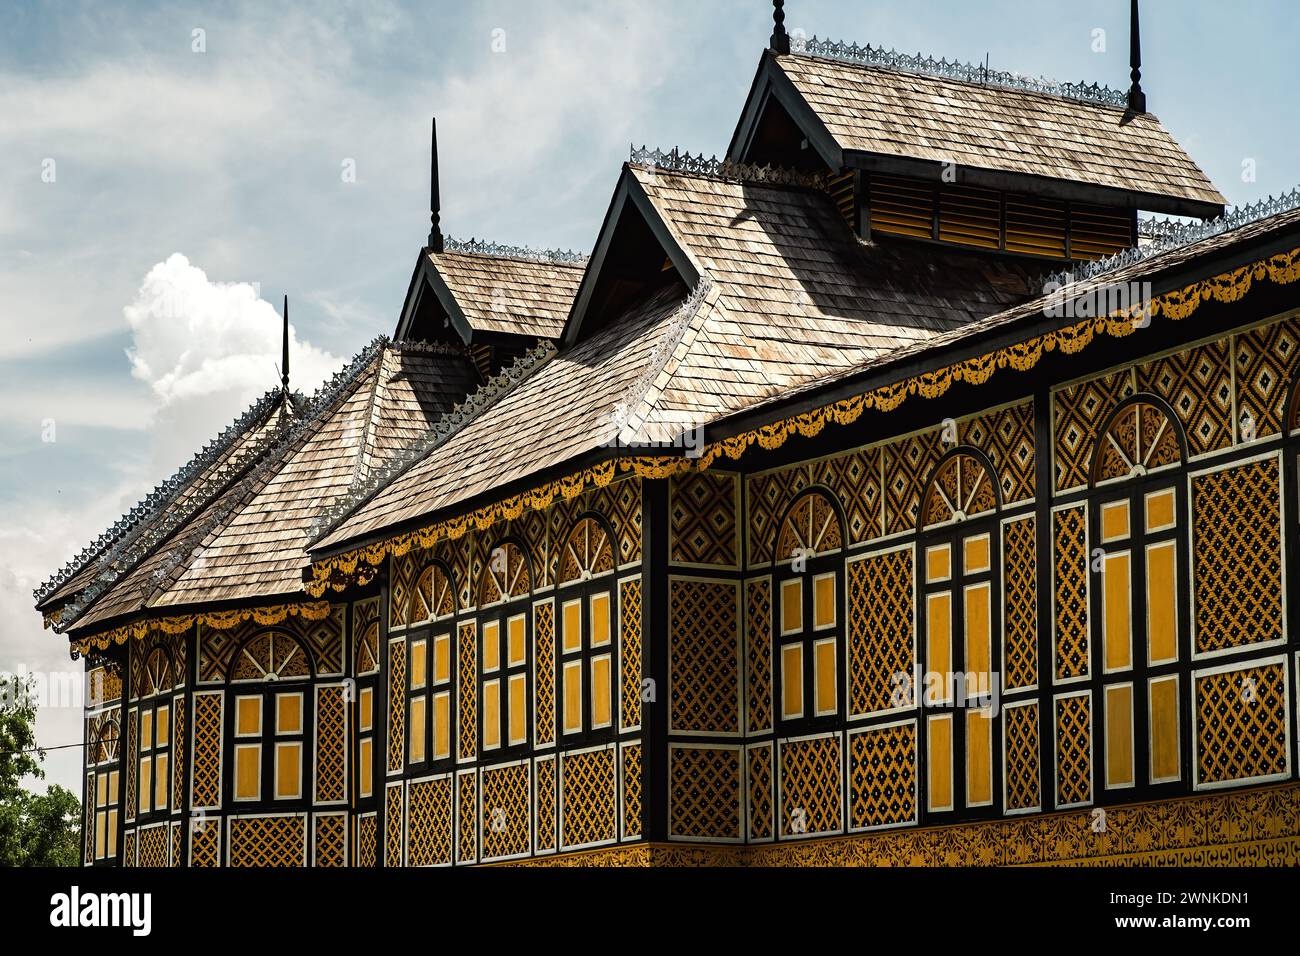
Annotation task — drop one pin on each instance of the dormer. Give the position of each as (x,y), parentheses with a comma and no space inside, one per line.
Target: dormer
(494,301)
(951,153)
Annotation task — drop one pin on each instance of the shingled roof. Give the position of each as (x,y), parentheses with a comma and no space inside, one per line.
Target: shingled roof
(788,304)
(495,290)
(249,541)
(785,292)
(869,113)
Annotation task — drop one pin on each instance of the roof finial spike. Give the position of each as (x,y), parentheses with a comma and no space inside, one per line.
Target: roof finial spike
(435,200)
(284,354)
(1137,100)
(780,39)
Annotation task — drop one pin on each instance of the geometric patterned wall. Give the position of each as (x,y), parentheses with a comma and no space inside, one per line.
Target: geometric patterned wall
(1073,749)
(588,797)
(881,629)
(206,784)
(882,776)
(758,655)
(1237,555)
(630,637)
(1070,592)
(396,705)
(1243,723)
(810,781)
(505,825)
(429,822)
(1021,760)
(331,745)
(633,782)
(1020,597)
(704,672)
(268,840)
(702,519)
(704,792)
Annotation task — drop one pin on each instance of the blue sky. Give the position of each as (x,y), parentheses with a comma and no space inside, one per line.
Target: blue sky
(232,158)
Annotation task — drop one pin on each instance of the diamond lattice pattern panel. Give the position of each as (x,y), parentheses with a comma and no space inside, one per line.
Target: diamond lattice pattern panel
(1241,724)
(544,671)
(810,786)
(702,518)
(429,822)
(331,840)
(705,691)
(758,654)
(631,790)
(1073,750)
(1070,557)
(588,791)
(630,619)
(880,629)
(1237,555)
(331,744)
(760,793)
(396,705)
(1022,757)
(505,811)
(1021,596)
(882,776)
(267,841)
(207,752)
(704,793)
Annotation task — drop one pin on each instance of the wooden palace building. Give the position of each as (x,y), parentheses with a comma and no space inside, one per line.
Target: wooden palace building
(891,491)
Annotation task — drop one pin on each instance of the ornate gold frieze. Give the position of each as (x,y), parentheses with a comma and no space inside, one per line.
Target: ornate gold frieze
(218,620)
(1258,827)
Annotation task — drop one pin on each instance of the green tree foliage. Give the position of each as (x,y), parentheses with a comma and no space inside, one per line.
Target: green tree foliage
(35,829)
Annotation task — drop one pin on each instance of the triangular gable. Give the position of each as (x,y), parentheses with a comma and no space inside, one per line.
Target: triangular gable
(635,256)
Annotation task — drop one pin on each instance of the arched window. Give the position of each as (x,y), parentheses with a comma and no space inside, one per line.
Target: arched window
(155,743)
(959,615)
(1140,437)
(504,639)
(1135,538)
(809,629)
(269,719)
(107,790)
(961,487)
(587,628)
(366,636)
(434,596)
(429,668)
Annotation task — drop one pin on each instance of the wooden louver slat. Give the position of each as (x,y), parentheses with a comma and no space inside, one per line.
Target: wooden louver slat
(902,207)
(840,189)
(1096,231)
(1036,227)
(970,216)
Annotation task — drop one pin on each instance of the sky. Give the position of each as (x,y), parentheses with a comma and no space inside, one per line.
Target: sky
(169,170)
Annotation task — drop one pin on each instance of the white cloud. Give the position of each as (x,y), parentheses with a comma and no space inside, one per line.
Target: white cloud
(207,350)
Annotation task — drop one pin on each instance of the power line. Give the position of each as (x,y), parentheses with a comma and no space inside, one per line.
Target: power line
(14,753)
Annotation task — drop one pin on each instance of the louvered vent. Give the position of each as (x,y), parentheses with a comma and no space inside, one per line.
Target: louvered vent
(482,355)
(1096,231)
(970,216)
(841,193)
(902,207)
(1036,227)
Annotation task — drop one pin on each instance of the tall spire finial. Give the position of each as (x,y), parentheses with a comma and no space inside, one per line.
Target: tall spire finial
(284,354)
(1137,100)
(780,39)
(435,201)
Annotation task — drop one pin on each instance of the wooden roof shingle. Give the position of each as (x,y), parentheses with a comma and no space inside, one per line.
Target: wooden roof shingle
(509,295)
(894,113)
